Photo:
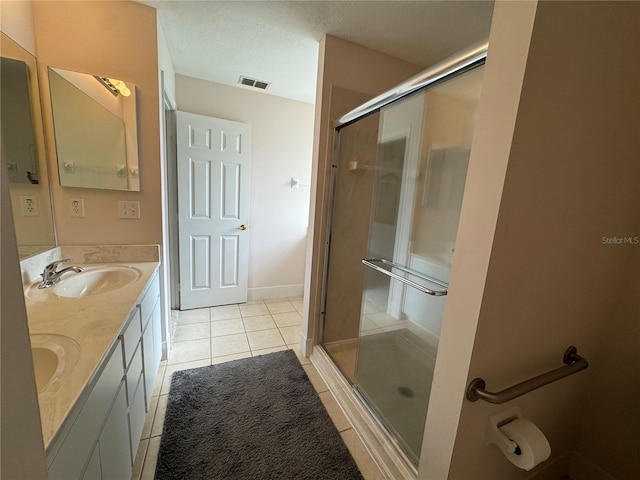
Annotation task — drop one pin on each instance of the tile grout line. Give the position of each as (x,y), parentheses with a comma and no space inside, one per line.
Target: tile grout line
(144,459)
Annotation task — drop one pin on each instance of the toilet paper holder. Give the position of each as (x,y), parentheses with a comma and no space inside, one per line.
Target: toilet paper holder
(495,436)
(520,440)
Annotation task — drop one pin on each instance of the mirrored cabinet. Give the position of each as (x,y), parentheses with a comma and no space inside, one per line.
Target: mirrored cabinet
(95,129)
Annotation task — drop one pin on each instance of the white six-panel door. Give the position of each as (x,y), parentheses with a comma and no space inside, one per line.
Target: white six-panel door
(214,157)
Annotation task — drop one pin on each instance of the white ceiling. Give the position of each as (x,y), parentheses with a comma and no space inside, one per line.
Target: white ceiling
(277,41)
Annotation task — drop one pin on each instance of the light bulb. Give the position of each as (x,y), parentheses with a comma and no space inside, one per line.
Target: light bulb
(121,86)
(124,90)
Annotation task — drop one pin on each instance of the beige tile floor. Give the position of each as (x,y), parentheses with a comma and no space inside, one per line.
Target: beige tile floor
(214,335)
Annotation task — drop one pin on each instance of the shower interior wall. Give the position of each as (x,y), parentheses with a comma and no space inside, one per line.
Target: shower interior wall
(350,225)
(435,229)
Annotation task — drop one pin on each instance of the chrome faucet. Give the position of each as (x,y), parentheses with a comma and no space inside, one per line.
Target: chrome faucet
(50,276)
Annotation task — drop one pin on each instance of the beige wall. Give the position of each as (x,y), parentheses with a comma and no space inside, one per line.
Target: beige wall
(366,73)
(281,145)
(117,39)
(16,19)
(572,179)
(21,446)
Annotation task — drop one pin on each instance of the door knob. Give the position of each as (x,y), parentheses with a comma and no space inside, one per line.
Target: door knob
(242,227)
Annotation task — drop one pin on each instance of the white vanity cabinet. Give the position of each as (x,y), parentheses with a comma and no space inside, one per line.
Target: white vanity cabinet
(80,441)
(151,337)
(100,437)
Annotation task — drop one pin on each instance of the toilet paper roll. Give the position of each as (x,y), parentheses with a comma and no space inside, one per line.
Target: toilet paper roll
(533,447)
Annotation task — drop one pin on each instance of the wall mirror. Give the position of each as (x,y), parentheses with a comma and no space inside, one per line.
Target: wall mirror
(95,129)
(23,149)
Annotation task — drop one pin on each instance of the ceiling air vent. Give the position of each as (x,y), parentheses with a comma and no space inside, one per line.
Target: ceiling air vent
(250,82)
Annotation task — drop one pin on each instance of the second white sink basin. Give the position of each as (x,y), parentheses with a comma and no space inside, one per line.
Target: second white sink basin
(95,280)
(53,355)
(45,365)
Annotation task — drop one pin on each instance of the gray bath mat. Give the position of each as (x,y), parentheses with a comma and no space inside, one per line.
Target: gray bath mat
(255,418)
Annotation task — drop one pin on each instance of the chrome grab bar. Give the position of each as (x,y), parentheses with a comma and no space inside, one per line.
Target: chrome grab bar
(574,364)
(438,293)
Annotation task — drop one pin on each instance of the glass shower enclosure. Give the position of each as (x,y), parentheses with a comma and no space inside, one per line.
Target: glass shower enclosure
(398,181)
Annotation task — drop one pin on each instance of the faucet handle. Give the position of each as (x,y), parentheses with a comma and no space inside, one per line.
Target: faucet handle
(51,267)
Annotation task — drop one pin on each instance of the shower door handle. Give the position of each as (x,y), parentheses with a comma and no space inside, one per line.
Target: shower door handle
(437,293)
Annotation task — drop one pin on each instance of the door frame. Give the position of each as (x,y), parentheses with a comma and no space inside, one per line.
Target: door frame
(168,252)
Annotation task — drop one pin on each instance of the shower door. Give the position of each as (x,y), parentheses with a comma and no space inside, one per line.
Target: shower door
(399,178)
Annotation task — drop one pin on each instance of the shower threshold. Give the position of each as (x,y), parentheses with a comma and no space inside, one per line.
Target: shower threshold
(385,450)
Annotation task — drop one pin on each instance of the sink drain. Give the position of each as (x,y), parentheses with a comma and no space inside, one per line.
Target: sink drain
(406,392)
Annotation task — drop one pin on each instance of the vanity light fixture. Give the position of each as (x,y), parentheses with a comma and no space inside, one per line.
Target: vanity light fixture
(115,86)
(121,86)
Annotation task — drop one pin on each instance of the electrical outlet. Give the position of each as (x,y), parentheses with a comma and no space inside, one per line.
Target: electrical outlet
(76,206)
(128,209)
(29,206)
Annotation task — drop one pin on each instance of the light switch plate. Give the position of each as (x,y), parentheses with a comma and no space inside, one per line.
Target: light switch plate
(128,209)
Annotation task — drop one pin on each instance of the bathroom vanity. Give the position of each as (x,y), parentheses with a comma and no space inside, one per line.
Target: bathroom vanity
(104,327)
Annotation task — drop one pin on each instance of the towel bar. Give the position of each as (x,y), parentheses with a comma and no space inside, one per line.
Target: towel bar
(438,293)
(411,272)
(574,364)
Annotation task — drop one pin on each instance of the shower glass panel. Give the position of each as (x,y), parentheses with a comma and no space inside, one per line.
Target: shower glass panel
(399,178)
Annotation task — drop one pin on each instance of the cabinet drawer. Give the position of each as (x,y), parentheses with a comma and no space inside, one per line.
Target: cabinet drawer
(93,471)
(115,449)
(131,337)
(76,447)
(149,301)
(133,373)
(137,412)
(150,367)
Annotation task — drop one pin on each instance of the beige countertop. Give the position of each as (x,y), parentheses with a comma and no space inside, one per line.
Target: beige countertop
(93,322)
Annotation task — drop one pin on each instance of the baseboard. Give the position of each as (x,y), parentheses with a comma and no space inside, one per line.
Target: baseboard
(306,345)
(584,469)
(392,464)
(278,291)
(554,469)
(571,465)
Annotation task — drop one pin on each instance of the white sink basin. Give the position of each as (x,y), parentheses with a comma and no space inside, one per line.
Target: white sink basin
(92,281)
(53,355)
(95,280)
